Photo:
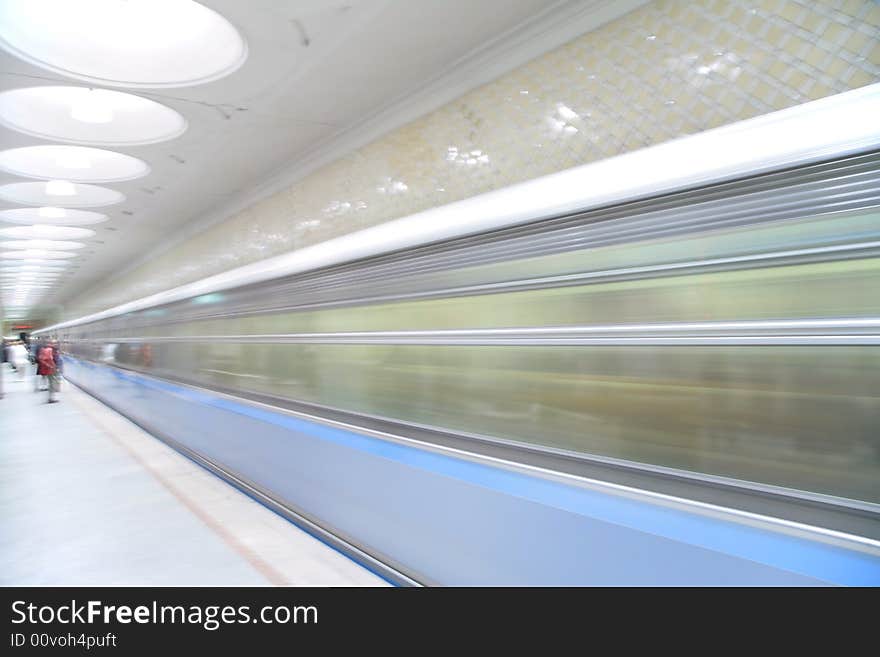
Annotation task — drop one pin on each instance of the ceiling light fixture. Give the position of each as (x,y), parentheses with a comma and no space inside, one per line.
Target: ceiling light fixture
(36,193)
(161,43)
(90,107)
(50,245)
(35,276)
(10,269)
(60,188)
(43,262)
(49,232)
(49,216)
(72,163)
(36,254)
(52,213)
(92,117)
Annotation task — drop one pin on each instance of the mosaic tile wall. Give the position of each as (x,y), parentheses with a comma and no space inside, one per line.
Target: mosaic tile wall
(671,68)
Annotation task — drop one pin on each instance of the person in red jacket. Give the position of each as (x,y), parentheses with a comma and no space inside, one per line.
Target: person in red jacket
(47,361)
(40,381)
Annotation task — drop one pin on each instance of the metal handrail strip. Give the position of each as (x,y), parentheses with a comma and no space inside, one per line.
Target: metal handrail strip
(778,258)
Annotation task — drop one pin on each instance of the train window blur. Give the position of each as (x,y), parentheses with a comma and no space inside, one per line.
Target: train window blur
(705,397)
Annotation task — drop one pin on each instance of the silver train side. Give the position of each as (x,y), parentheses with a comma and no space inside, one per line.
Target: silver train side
(678,390)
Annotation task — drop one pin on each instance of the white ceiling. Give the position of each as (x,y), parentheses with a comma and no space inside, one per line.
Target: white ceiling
(316,68)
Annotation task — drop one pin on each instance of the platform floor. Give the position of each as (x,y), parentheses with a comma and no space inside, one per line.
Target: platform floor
(88,498)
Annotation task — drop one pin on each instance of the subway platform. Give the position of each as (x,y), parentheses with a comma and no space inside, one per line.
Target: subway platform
(89,499)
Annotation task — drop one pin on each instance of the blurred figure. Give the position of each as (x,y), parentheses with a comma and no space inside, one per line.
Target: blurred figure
(50,360)
(18,356)
(2,362)
(7,353)
(59,362)
(108,353)
(41,383)
(146,355)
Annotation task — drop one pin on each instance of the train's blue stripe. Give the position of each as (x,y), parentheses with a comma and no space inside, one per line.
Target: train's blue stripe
(815,559)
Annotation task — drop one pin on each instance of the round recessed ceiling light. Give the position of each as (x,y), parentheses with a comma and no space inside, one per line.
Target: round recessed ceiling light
(15,268)
(24,288)
(137,43)
(71,163)
(37,254)
(44,232)
(60,188)
(28,277)
(22,278)
(11,268)
(51,245)
(35,262)
(88,116)
(45,194)
(22,268)
(52,216)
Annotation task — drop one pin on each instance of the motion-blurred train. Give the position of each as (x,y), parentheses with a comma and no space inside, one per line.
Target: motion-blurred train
(662,368)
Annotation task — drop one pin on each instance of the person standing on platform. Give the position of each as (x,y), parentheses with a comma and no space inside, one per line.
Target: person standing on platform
(40,381)
(18,356)
(48,360)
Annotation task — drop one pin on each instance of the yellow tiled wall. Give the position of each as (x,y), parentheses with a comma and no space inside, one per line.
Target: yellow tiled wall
(671,68)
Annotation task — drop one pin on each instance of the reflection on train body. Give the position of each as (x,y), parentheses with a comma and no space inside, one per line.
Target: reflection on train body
(799,415)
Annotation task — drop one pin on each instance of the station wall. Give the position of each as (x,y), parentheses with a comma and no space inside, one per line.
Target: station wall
(668,69)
